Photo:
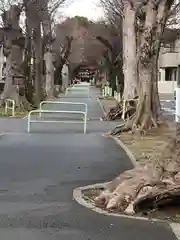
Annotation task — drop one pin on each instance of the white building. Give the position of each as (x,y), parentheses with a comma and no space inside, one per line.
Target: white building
(169,59)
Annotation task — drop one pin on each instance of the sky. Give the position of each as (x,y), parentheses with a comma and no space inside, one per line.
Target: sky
(86,8)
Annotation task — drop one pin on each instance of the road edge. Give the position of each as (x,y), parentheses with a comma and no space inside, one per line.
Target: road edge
(102,107)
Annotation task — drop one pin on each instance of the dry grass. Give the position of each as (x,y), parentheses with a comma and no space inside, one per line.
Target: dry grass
(18,114)
(148,147)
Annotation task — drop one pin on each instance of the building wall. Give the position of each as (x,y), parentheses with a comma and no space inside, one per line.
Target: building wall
(169,59)
(167,87)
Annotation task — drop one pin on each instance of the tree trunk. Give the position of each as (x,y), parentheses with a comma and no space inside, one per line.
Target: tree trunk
(65,76)
(37,42)
(13,49)
(48,57)
(13,71)
(129,50)
(14,58)
(27,63)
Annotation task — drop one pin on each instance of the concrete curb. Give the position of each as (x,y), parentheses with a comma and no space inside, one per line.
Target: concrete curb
(78,196)
(128,152)
(102,107)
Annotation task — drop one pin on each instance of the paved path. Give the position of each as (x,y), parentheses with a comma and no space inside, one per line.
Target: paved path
(38,173)
(168,106)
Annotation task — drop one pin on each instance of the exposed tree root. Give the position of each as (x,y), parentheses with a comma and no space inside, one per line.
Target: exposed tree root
(117,112)
(139,189)
(136,123)
(154,185)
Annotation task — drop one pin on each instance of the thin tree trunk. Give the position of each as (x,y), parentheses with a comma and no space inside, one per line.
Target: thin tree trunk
(48,57)
(27,64)
(37,42)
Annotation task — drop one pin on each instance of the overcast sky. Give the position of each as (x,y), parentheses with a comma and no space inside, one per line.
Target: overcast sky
(86,8)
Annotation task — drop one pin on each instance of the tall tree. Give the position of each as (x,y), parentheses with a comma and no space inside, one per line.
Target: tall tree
(143,28)
(13,50)
(37,35)
(111,38)
(157,182)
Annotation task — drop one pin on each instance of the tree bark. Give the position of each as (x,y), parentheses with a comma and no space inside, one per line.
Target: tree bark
(129,51)
(48,57)
(27,60)
(13,49)
(62,61)
(37,43)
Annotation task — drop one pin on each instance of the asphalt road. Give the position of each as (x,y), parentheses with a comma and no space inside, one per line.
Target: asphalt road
(38,173)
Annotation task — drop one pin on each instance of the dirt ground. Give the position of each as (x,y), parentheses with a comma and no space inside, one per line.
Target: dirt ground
(144,148)
(150,147)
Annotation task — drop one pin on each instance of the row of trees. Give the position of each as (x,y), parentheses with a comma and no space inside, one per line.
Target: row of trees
(27,35)
(142,29)
(36,48)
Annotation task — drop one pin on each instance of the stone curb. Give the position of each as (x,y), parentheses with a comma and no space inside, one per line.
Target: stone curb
(78,195)
(128,152)
(102,107)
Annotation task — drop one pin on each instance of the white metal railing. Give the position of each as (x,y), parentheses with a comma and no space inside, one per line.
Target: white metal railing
(117,96)
(78,90)
(10,105)
(56,121)
(60,103)
(107,91)
(81,85)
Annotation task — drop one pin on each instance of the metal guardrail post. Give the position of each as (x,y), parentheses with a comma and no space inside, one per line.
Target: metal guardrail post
(51,121)
(7,102)
(58,103)
(29,121)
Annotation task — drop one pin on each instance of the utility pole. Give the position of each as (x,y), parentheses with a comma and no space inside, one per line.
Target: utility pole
(178,96)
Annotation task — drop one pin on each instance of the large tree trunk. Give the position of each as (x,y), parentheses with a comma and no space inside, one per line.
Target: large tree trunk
(12,64)
(146,112)
(147,53)
(48,57)
(129,50)
(12,73)
(14,43)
